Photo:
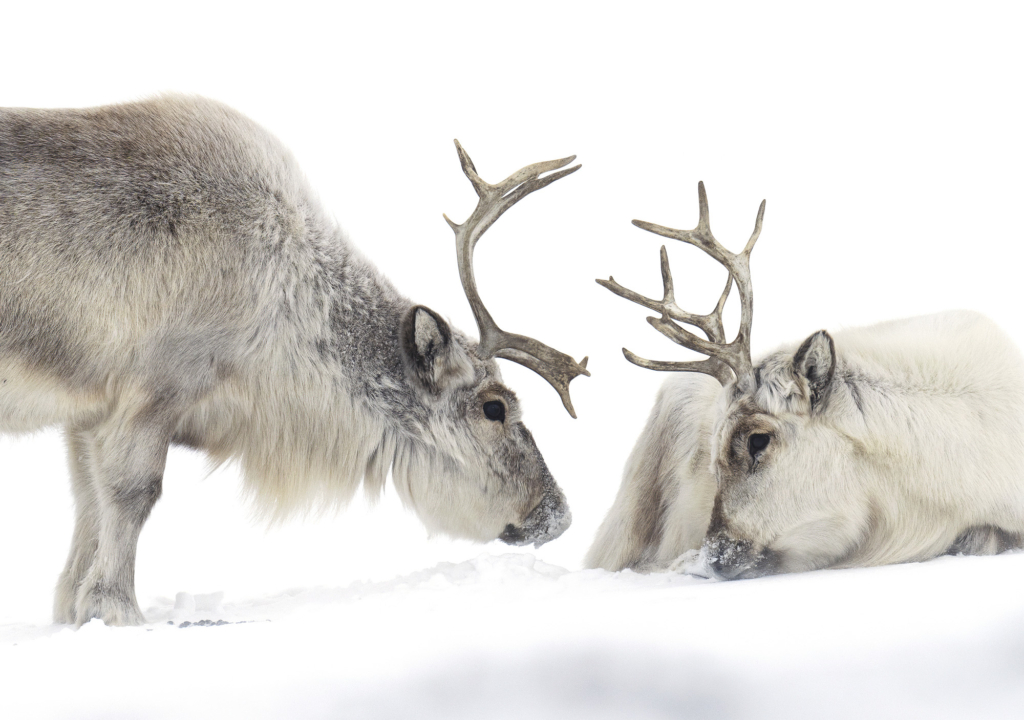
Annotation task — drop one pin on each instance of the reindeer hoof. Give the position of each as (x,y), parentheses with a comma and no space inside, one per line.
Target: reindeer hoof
(110,605)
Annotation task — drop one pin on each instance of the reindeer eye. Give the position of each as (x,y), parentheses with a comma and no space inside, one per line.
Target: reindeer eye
(757,442)
(495,410)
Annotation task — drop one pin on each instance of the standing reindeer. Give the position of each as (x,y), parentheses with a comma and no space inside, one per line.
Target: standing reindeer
(891,443)
(168,277)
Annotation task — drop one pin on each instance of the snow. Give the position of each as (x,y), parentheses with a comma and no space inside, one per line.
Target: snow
(884,136)
(510,636)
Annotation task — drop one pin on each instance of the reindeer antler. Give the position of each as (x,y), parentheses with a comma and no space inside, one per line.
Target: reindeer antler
(555,367)
(723,356)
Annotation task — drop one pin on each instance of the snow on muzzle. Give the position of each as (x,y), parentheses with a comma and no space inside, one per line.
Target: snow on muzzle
(545,522)
(727,558)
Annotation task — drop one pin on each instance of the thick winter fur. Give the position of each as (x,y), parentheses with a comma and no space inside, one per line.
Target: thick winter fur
(892,443)
(667,490)
(167,276)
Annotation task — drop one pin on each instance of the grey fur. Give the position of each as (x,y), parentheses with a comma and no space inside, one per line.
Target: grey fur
(167,276)
(815,362)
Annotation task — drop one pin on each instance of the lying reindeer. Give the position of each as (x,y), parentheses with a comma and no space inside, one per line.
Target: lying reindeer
(892,443)
(167,277)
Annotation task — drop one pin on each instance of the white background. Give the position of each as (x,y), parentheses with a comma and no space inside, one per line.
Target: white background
(886,138)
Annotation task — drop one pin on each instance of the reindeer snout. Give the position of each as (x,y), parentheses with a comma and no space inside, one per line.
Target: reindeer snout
(730,559)
(545,522)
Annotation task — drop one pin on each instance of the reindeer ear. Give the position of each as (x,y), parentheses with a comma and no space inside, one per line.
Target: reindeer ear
(433,357)
(815,362)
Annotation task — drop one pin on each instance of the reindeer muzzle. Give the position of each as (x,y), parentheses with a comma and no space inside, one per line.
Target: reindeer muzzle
(545,522)
(727,558)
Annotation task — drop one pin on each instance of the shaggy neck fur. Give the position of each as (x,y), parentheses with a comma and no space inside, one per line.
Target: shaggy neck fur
(309,418)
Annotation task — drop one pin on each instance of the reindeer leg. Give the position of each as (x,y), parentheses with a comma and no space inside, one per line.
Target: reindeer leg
(85,536)
(984,540)
(129,457)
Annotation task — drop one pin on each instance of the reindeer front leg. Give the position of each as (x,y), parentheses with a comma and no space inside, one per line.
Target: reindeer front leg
(129,454)
(86,533)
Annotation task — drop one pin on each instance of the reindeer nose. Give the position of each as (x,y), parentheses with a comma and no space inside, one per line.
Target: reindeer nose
(544,523)
(557,520)
(732,559)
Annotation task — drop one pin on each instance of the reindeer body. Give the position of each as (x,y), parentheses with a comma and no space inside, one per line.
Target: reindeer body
(914,449)
(168,277)
(664,503)
(886,444)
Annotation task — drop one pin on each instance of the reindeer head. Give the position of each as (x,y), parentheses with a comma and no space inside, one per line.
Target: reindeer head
(490,482)
(770,452)
(788,498)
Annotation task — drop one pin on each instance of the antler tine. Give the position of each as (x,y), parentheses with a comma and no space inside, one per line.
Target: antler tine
(757,229)
(733,355)
(710,324)
(513,188)
(557,368)
(710,366)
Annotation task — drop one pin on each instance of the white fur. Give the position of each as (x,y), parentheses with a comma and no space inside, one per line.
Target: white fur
(919,440)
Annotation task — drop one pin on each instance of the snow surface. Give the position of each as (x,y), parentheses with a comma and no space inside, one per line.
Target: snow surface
(886,138)
(509,636)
